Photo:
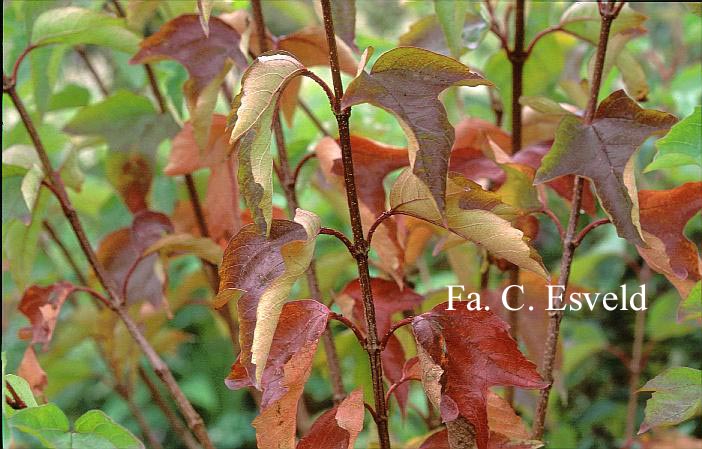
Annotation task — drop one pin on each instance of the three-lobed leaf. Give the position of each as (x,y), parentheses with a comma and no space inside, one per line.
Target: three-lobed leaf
(602,152)
(406,82)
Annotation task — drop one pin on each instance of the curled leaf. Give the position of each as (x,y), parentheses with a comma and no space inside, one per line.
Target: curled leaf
(41,306)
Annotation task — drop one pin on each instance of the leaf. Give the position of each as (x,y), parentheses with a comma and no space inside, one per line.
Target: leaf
(120,252)
(339,427)
(204,7)
(96,429)
(676,397)
(41,306)
(287,368)
(22,388)
(259,272)
(601,152)
(309,46)
(691,307)
(682,145)
(30,369)
(222,191)
(131,175)
(344,16)
(388,299)
(468,154)
(463,354)
(372,162)
(75,26)
(427,33)
(451,16)
(251,119)
(204,248)
(406,82)
(47,423)
(664,214)
(471,213)
(125,121)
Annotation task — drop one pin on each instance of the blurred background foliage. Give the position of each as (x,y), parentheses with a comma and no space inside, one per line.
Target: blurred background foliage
(56,85)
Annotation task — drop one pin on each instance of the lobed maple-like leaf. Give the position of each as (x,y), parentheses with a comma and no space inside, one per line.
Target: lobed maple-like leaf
(406,81)
(287,368)
(252,116)
(339,427)
(388,299)
(372,162)
(259,272)
(41,306)
(463,354)
(471,213)
(676,397)
(120,252)
(602,151)
(664,214)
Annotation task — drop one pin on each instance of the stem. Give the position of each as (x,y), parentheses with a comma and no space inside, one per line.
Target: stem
(115,301)
(287,179)
(16,402)
(175,422)
(298,167)
(66,254)
(395,326)
(93,71)
(360,244)
(608,13)
(586,230)
(146,430)
(348,323)
(341,237)
(517,57)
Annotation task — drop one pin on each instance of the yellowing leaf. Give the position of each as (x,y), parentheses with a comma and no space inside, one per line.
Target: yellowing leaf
(252,118)
(676,397)
(602,151)
(204,248)
(260,272)
(471,213)
(406,81)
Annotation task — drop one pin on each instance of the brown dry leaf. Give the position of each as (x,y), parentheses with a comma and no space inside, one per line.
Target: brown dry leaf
(372,162)
(42,305)
(339,427)
(288,366)
(131,175)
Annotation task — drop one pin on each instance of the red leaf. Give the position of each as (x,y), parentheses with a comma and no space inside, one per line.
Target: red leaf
(287,369)
(42,305)
(337,428)
(388,299)
(664,214)
(182,39)
(372,162)
(463,354)
(31,371)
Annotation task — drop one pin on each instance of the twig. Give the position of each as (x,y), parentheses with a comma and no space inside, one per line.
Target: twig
(359,242)
(298,167)
(146,430)
(372,412)
(549,213)
(12,80)
(93,71)
(114,300)
(495,26)
(607,13)
(348,323)
(381,218)
(586,230)
(339,235)
(16,402)
(66,254)
(395,326)
(175,422)
(517,57)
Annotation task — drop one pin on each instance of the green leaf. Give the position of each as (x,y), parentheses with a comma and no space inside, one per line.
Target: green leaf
(22,388)
(586,340)
(97,431)
(406,82)
(682,145)
(471,213)
(126,121)
(71,96)
(45,68)
(47,423)
(13,204)
(451,16)
(602,152)
(251,120)
(691,307)
(677,397)
(75,26)
(661,322)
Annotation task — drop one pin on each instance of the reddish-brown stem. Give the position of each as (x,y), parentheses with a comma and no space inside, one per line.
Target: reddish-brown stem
(94,294)
(359,242)
(298,167)
(348,323)
(372,412)
(287,179)
(16,402)
(114,300)
(495,26)
(549,213)
(339,235)
(12,79)
(395,326)
(392,388)
(619,354)
(517,57)
(608,12)
(378,221)
(586,230)
(173,420)
(325,87)
(66,254)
